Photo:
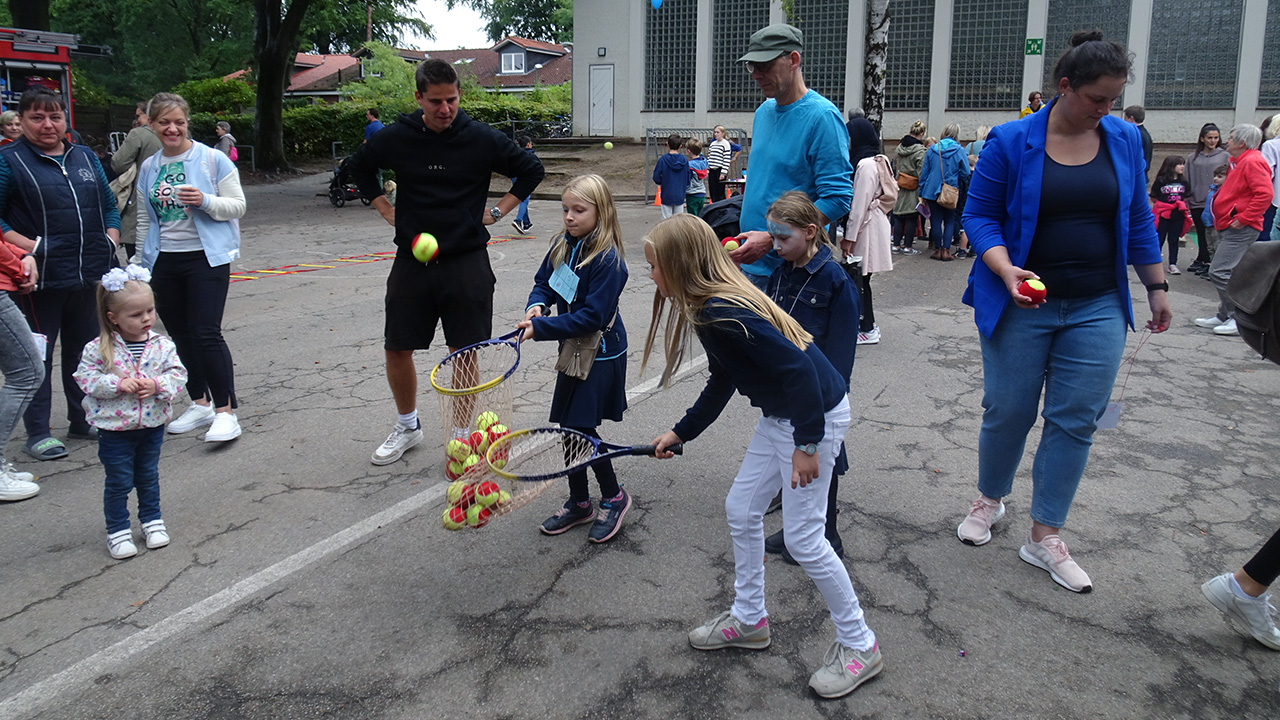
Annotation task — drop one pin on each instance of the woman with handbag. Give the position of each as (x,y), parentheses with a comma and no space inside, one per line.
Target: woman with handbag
(944,165)
(582,276)
(906,220)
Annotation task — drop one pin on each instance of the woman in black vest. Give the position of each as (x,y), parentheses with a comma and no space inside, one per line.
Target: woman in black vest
(55,204)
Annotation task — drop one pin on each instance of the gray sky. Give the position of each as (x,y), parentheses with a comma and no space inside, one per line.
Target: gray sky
(459,27)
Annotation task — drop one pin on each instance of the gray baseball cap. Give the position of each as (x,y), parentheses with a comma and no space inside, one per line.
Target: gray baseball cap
(771,42)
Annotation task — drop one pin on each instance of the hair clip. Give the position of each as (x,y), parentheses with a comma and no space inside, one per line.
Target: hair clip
(115,278)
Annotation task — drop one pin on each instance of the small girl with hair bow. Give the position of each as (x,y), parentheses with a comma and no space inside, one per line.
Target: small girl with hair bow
(130,376)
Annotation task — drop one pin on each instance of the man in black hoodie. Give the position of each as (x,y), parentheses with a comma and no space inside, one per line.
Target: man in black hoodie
(443,161)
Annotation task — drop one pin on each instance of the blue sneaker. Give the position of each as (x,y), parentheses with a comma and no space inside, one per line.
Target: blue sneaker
(567,517)
(609,519)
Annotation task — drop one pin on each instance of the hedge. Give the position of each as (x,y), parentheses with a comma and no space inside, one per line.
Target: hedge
(309,131)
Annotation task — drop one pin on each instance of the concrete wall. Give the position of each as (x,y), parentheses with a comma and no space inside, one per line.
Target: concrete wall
(618,26)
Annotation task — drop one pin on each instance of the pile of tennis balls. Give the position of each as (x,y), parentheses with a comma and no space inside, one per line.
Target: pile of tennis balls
(467,452)
(472,504)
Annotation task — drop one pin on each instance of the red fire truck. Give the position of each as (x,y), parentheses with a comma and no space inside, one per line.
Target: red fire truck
(38,58)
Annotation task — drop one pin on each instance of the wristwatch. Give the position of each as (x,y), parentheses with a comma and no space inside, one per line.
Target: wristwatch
(495,213)
(810,449)
(1158,286)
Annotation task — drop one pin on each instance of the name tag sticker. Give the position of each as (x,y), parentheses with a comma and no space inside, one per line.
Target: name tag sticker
(565,282)
(1111,417)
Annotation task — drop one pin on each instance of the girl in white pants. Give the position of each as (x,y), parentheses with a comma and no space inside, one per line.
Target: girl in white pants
(755,348)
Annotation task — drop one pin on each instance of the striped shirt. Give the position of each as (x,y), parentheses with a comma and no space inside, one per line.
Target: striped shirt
(719,155)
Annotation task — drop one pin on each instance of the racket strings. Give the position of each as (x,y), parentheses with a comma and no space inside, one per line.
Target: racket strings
(475,369)
(543,452)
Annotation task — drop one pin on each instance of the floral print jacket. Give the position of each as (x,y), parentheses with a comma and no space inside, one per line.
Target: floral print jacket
(106,408)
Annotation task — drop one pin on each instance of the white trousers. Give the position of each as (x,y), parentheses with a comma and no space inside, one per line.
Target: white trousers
(765,469)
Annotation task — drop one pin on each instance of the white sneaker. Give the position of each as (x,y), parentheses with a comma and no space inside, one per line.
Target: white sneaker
(1173,270)
(869,338)
(13,489)
(1052,556)
(15,473)
(1227,328)
(975,529)
(156,534)
(400,439)
(1210,322)
(225,427)
(192,418)
(1257,615)
(120,544)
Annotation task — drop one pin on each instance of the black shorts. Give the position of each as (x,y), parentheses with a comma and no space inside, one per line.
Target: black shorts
(457,291)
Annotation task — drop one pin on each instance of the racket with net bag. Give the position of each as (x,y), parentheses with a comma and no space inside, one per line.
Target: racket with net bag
(476,368)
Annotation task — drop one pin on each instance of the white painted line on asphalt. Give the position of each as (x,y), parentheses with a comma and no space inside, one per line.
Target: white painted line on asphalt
(85,671)
(33,698)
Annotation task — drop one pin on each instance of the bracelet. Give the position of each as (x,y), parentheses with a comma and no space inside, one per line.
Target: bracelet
(27,255)
(1158,286)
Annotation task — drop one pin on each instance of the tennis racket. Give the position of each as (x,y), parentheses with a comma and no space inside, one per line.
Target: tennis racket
(478,367)
(545,453)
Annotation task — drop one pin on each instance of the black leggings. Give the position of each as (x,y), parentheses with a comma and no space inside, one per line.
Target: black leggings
(1202,239)
(715,186)
(605,477)
(904,229)
(1264,567)
(1170,229)
(868,322)
(190,298)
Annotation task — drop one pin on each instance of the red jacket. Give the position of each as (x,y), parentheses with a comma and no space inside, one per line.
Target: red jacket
(10,266)
(1246,193)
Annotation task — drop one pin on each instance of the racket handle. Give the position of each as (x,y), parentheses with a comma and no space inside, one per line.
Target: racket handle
(649,450)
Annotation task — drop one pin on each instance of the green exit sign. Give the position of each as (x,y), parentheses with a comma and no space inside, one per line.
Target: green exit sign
(1035,46)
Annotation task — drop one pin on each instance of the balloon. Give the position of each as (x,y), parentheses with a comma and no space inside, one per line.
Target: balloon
(656,4)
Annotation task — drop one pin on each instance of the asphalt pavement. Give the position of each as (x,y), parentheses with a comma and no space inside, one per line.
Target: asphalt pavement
(304,582)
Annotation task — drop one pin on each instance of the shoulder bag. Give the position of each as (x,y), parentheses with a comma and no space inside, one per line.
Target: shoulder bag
(949,195)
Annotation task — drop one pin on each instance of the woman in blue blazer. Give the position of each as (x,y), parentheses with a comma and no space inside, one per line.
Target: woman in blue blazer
(1060,196)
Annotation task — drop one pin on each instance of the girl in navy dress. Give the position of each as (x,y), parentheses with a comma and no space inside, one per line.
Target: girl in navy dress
(582,276)
(755,348)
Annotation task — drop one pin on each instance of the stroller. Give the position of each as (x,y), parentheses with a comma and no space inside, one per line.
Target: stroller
(341,189)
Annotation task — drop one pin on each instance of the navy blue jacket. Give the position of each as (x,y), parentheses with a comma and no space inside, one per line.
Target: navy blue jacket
(747,353)
(672,173)
(67,205)
(600,284)
(822,298)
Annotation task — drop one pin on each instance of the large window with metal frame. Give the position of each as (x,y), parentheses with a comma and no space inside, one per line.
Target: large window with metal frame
(906,82)
(1194,57)
(987,41)
(825,24)
(1069,16)
(670,47)
(732,24)
(1269,92)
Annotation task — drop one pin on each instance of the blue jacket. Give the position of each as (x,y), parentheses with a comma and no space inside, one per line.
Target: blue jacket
(823,299)
(66,203)
(1004,206)
(671,173)
(950,158)
(220,238)
(746,353)
(595,306)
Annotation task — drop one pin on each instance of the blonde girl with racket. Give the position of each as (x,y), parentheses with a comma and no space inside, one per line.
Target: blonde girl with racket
(756,348)
(582,277)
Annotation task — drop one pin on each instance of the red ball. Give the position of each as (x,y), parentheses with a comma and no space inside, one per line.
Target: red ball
(1033,289)
(476,440)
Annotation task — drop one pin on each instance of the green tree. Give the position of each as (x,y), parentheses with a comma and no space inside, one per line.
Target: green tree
(546,20)
(388,80)
(342,26)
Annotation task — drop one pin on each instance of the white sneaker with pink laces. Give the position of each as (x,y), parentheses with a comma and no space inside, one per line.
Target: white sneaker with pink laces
(1050,555)
(976,527)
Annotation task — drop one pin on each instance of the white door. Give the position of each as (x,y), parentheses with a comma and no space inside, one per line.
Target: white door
(601,118)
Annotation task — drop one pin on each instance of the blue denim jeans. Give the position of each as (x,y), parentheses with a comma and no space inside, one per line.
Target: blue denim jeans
(522,216)
(21,364)
(1070,349)
(132,461)
(942,225)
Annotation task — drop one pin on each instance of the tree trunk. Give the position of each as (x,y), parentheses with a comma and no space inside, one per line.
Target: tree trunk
(30,14)
(877,61)
(275,43)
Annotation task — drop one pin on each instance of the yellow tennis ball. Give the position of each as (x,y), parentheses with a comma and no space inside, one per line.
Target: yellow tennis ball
(425,248)
(458,449)
(488,493)
(477,516)
(486,418)
(454,492)
(498,463)
(454,470)
(608,145)
(470,463)
(504,497)
(454,518)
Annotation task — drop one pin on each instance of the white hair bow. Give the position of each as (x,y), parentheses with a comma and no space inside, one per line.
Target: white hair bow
(115,278)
